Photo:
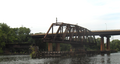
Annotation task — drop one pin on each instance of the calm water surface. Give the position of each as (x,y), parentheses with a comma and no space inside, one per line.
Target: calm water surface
(113,58)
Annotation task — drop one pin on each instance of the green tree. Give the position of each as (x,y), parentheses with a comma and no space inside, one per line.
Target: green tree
(2,40)
(6,35)
(115,44)
(65,47)
(22,35)
(93,47)
(98,40)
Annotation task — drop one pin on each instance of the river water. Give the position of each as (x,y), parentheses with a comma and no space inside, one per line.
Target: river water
(113,58)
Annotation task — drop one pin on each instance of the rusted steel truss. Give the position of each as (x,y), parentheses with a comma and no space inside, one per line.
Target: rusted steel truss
(69,33)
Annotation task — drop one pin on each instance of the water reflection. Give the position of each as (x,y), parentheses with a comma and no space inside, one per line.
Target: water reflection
(97,59)
(14,59)
(101,59)
(80,60)
(105,59)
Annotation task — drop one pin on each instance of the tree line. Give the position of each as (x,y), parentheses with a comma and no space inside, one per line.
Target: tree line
(22,34)
(10,35)
(114,45)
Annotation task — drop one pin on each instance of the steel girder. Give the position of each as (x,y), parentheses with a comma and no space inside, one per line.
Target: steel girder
(69,33)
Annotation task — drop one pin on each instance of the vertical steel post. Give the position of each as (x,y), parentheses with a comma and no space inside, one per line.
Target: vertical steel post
(52,31)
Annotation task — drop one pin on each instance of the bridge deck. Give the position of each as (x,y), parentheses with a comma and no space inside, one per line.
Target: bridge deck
(106,32)
(97,32)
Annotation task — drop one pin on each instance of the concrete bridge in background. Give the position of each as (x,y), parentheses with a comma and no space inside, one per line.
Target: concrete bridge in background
(75,35)
(107,34)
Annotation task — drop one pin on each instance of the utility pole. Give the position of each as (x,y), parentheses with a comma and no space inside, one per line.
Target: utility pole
(56,20)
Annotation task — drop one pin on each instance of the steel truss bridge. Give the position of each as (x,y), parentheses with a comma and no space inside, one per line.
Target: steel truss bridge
(68,33)
(75,35)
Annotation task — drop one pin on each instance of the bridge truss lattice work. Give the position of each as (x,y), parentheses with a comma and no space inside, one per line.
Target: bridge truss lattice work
(69,33)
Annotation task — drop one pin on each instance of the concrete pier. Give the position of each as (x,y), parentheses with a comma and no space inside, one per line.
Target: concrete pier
(50,48)
(108,43)
(102,44)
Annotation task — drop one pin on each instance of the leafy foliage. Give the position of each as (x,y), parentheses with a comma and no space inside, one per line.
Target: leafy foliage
(115,44)
(65,47)
(22,34)
(93,47)
(13,35)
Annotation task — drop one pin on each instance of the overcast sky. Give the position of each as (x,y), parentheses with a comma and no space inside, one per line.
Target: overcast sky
(38,15)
